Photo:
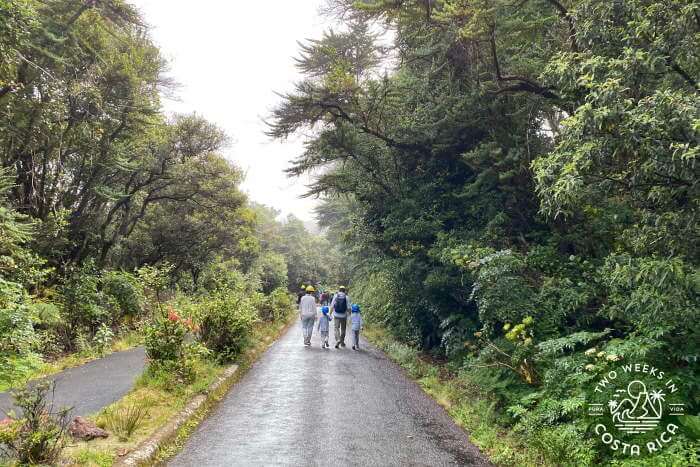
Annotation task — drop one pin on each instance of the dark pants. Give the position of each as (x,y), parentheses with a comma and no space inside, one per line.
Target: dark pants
(339,327)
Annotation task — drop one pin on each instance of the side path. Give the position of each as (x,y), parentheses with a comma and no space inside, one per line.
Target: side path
(313,406)
(94,385)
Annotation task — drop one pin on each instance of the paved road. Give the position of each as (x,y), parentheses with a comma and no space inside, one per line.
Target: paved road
(303,406)
(94,385)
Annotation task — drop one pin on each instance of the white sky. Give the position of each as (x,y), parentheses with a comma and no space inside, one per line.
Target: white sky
(229,57)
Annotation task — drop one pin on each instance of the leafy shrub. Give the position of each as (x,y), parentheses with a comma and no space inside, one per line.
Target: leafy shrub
(166,346)
(124,292)
(225,319)
(165,337)
(224,275)
(18,339)
(271,269)
(564,445)
(274,306)
(39,436)
(155,280)
(173,375)
(260,302)
(280,302)
(102,339)
(82,303)
(124,421)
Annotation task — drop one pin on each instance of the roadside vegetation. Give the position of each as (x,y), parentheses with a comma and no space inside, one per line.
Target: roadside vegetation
(169,383)
(121,225)
(515,187)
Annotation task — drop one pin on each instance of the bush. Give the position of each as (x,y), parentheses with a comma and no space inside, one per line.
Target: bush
(226,319)
(39,436)
(271,269)
(166,347)
(125,293)
(274,306)
(224,275)
(17,336)
(165,337)
(102,339)
(281,302)
(82,303)
(155,280)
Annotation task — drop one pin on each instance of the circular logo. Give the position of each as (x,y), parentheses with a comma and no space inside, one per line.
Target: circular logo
(635,409)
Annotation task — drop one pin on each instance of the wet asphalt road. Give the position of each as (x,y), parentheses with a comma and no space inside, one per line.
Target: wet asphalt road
(301,406)
(94,385)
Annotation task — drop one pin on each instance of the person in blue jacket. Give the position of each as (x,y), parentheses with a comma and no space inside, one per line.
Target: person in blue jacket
(324,327)
(356,325)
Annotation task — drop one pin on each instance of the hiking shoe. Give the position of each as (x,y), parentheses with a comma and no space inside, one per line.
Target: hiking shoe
(337,344)
(353,348)
(342,344)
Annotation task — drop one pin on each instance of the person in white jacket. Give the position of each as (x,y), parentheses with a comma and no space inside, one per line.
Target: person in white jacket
(307,314)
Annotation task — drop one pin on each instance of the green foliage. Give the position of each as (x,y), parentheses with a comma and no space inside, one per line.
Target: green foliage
(18,341)
(518,188)
(82,303)
(225,320)
(124,421)
(102,339)
(126,292)
(155,280)
(274,306)
(271,268)
(168,349)
(165,338)
(280,303)
(38,437)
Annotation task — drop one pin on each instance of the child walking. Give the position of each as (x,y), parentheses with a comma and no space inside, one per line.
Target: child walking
(356,323)
(323,326)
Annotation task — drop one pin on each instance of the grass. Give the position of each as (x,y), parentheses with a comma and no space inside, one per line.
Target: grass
(263,336)
(164,400)
(468,407)
(124,421)
(40,368)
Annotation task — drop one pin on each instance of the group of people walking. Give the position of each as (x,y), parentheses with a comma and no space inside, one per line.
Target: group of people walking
(337,312)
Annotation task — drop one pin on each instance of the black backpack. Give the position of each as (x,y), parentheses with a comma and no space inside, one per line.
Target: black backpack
(341,303)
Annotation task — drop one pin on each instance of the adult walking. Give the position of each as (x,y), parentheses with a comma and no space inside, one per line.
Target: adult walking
(340,306)
(307,314)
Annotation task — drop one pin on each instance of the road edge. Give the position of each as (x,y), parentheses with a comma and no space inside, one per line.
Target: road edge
(168,440)
(148,449)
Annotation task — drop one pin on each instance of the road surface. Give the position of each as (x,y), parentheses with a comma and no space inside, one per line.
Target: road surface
(301,406)
(94,385)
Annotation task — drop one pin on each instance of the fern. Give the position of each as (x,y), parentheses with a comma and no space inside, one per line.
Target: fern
(562,344)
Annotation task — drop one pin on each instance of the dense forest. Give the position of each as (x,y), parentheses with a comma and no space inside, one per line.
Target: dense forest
(515,186)
(509,187)
(109,207)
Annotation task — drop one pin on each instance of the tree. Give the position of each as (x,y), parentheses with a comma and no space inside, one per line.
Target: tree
(522,179)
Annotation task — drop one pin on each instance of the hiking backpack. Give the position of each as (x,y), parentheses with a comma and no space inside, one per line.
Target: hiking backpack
(341,303)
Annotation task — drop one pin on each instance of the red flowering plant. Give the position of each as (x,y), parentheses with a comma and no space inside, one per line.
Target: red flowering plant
(165,337)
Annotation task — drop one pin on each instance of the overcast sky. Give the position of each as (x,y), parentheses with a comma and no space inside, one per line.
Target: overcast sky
(229,57)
